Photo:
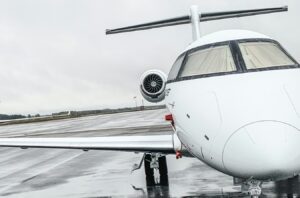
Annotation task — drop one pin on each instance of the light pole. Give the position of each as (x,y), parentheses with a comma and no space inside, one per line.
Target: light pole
(135,100)
(142,107)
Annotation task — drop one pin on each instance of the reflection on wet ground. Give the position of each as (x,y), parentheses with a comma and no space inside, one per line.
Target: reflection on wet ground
(74,173)
(286,188)
(289,188)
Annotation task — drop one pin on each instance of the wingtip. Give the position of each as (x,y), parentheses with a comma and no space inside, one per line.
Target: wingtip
(107,31)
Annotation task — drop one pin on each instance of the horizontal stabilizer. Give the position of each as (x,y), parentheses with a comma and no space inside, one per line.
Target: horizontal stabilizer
(150,25)
(240,13)
(202,17)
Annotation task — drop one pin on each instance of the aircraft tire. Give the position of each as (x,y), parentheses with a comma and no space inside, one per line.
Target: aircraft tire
(150,180)
(163,171)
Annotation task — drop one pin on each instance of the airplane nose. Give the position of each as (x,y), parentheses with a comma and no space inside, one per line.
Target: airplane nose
(263,150)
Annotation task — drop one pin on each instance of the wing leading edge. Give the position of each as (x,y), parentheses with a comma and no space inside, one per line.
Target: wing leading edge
(152,143)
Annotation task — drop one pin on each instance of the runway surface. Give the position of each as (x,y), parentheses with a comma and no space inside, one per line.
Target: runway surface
(75,173)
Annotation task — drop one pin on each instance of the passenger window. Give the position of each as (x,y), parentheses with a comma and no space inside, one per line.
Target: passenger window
(264,54)
(175,68)
(216,59)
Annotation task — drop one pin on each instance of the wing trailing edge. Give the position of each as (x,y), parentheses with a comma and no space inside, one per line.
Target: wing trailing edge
(156,143)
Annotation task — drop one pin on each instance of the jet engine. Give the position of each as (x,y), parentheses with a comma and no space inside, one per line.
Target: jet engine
(153,83)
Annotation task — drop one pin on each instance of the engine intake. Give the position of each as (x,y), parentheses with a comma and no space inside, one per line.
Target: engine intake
(153,83)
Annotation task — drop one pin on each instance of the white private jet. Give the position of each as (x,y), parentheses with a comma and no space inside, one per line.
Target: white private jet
(233,100)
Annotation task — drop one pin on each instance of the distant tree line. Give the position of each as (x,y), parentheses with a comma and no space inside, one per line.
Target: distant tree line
(33,116)
(83,113)
(11,117)
(107,111)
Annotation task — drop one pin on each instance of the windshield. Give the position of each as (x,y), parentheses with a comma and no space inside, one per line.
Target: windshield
(264,54)
(175,68)
(215,59)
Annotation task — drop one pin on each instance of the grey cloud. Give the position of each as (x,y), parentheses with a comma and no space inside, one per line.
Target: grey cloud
(55,56)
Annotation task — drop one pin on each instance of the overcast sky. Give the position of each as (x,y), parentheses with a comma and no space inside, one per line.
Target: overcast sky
(55,56)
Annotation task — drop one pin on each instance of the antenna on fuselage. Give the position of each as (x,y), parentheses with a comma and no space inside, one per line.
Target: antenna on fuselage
(195,18)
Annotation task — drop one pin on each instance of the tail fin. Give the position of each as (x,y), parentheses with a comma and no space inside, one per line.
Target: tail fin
(200,16)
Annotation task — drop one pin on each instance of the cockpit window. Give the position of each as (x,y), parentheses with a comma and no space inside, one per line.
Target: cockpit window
(215,59)
(175,68)
(264,54)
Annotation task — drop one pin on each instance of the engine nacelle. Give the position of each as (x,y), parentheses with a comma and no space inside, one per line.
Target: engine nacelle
(153,83)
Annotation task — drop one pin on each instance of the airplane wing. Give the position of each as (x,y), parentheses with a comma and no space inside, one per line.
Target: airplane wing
(147,143)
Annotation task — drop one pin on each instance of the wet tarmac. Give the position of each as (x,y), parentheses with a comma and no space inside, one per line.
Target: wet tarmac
(75,173)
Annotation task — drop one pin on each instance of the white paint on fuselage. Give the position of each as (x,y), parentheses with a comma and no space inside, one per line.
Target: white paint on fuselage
(250,120)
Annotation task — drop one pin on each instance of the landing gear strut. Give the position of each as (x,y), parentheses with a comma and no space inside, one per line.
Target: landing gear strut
(156,169)
(253,187)
(156,174)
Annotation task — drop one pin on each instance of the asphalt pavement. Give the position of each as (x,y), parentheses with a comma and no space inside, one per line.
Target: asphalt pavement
(75,173)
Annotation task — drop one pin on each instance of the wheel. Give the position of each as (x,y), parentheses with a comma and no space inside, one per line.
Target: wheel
(150,180)
(163,171)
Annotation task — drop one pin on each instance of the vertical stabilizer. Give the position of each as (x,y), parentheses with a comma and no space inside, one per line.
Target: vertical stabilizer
(195,16)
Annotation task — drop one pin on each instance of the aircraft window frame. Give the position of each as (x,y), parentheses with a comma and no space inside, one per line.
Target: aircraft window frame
(233,51)
(296,65)
(176,67)
(202,68)
(237,58)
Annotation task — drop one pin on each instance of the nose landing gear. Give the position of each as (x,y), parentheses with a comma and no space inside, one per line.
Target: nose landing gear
(156,170)
(156,174)
(253,187)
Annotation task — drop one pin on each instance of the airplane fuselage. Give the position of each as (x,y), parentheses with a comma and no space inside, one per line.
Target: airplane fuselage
(245,124)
